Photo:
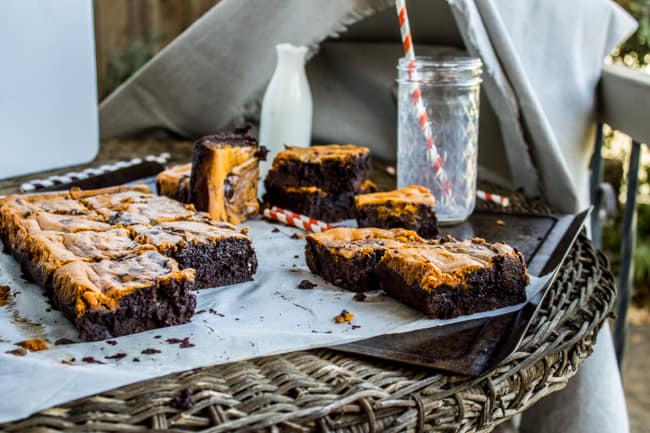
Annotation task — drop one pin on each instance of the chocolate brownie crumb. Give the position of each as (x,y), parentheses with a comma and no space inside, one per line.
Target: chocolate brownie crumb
(18,352)
(185,343)
(91,360)
(355,326)
(157,336)
(183,400)
(296,236)
(63,341)
(306,285)
(174,340)
(117,356)
(111,342)
(136,359)
(199,312)
(150,351)
(360,297)
(275,230)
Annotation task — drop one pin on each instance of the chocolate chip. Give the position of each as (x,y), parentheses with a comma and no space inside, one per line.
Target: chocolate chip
(306,285)
(150,351)
(228,188)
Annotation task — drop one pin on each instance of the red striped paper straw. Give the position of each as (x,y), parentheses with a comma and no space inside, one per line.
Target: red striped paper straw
(494,198)
(416,95)
(296,220)
(310,220)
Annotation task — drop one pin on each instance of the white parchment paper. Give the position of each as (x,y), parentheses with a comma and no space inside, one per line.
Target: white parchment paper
(267,316)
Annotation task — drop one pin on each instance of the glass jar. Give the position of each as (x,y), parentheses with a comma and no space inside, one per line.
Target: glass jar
(449,89)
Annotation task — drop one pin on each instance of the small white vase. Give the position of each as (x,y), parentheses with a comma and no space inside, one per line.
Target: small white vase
(287,107)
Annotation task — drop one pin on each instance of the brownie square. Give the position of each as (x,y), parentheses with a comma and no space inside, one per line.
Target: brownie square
(347,256)
(116,297)
(220,255)
(333,168)
(175,183)
(412,207)
(454,278)
(49,250)
(225,175)
(316,202)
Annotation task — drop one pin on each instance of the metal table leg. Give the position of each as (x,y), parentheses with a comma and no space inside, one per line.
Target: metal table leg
(628,241)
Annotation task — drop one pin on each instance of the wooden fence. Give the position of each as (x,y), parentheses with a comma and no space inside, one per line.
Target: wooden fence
(129,31)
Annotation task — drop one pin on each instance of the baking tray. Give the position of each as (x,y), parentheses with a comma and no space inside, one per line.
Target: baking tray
(473,347)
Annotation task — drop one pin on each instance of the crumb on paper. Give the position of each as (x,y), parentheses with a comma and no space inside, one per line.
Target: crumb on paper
(91,360)
(344,316)
(360,297)
(5,295)
(306,285)
(70,361)
(296,256)
(296,236)
(111,342)
(33,344)
(17,352)
(150,351)
(479,241)
(182,342)
(355,326)
(157,336)
(136,359)
(117,356)
(501,222)
(63,342)
(244,230)
(275,230)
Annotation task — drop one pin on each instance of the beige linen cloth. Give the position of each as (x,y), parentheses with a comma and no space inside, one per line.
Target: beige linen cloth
(542,62)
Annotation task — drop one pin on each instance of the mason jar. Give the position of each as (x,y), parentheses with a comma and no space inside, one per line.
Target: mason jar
(448,90)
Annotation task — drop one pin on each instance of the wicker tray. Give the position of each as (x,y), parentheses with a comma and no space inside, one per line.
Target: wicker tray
(324,390)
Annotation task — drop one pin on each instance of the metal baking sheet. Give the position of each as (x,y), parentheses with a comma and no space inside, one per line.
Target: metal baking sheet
(472,347)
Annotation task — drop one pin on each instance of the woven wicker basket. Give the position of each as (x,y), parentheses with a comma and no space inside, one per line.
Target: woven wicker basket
(324,390)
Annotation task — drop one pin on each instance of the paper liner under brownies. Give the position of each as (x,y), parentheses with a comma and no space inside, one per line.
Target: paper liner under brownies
(441,278)
(120,260)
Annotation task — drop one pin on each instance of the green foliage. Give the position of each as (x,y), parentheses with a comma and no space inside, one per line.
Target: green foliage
(123,63)
(636,50)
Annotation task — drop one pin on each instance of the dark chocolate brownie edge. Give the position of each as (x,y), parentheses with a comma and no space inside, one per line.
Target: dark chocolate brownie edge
(226,262)
(331,176)
(168,303)
(357,274)
(499,286)
(330,208)
(424,222)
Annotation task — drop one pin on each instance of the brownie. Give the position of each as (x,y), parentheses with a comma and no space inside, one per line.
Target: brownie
(454,278)
(175,182)
(347,256)
(116,297)
(412,207)
(225,175)
(121,260)
(220,255)
(316,202)
(333,168)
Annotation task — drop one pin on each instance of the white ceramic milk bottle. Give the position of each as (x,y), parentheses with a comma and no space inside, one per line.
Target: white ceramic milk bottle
(287,107)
